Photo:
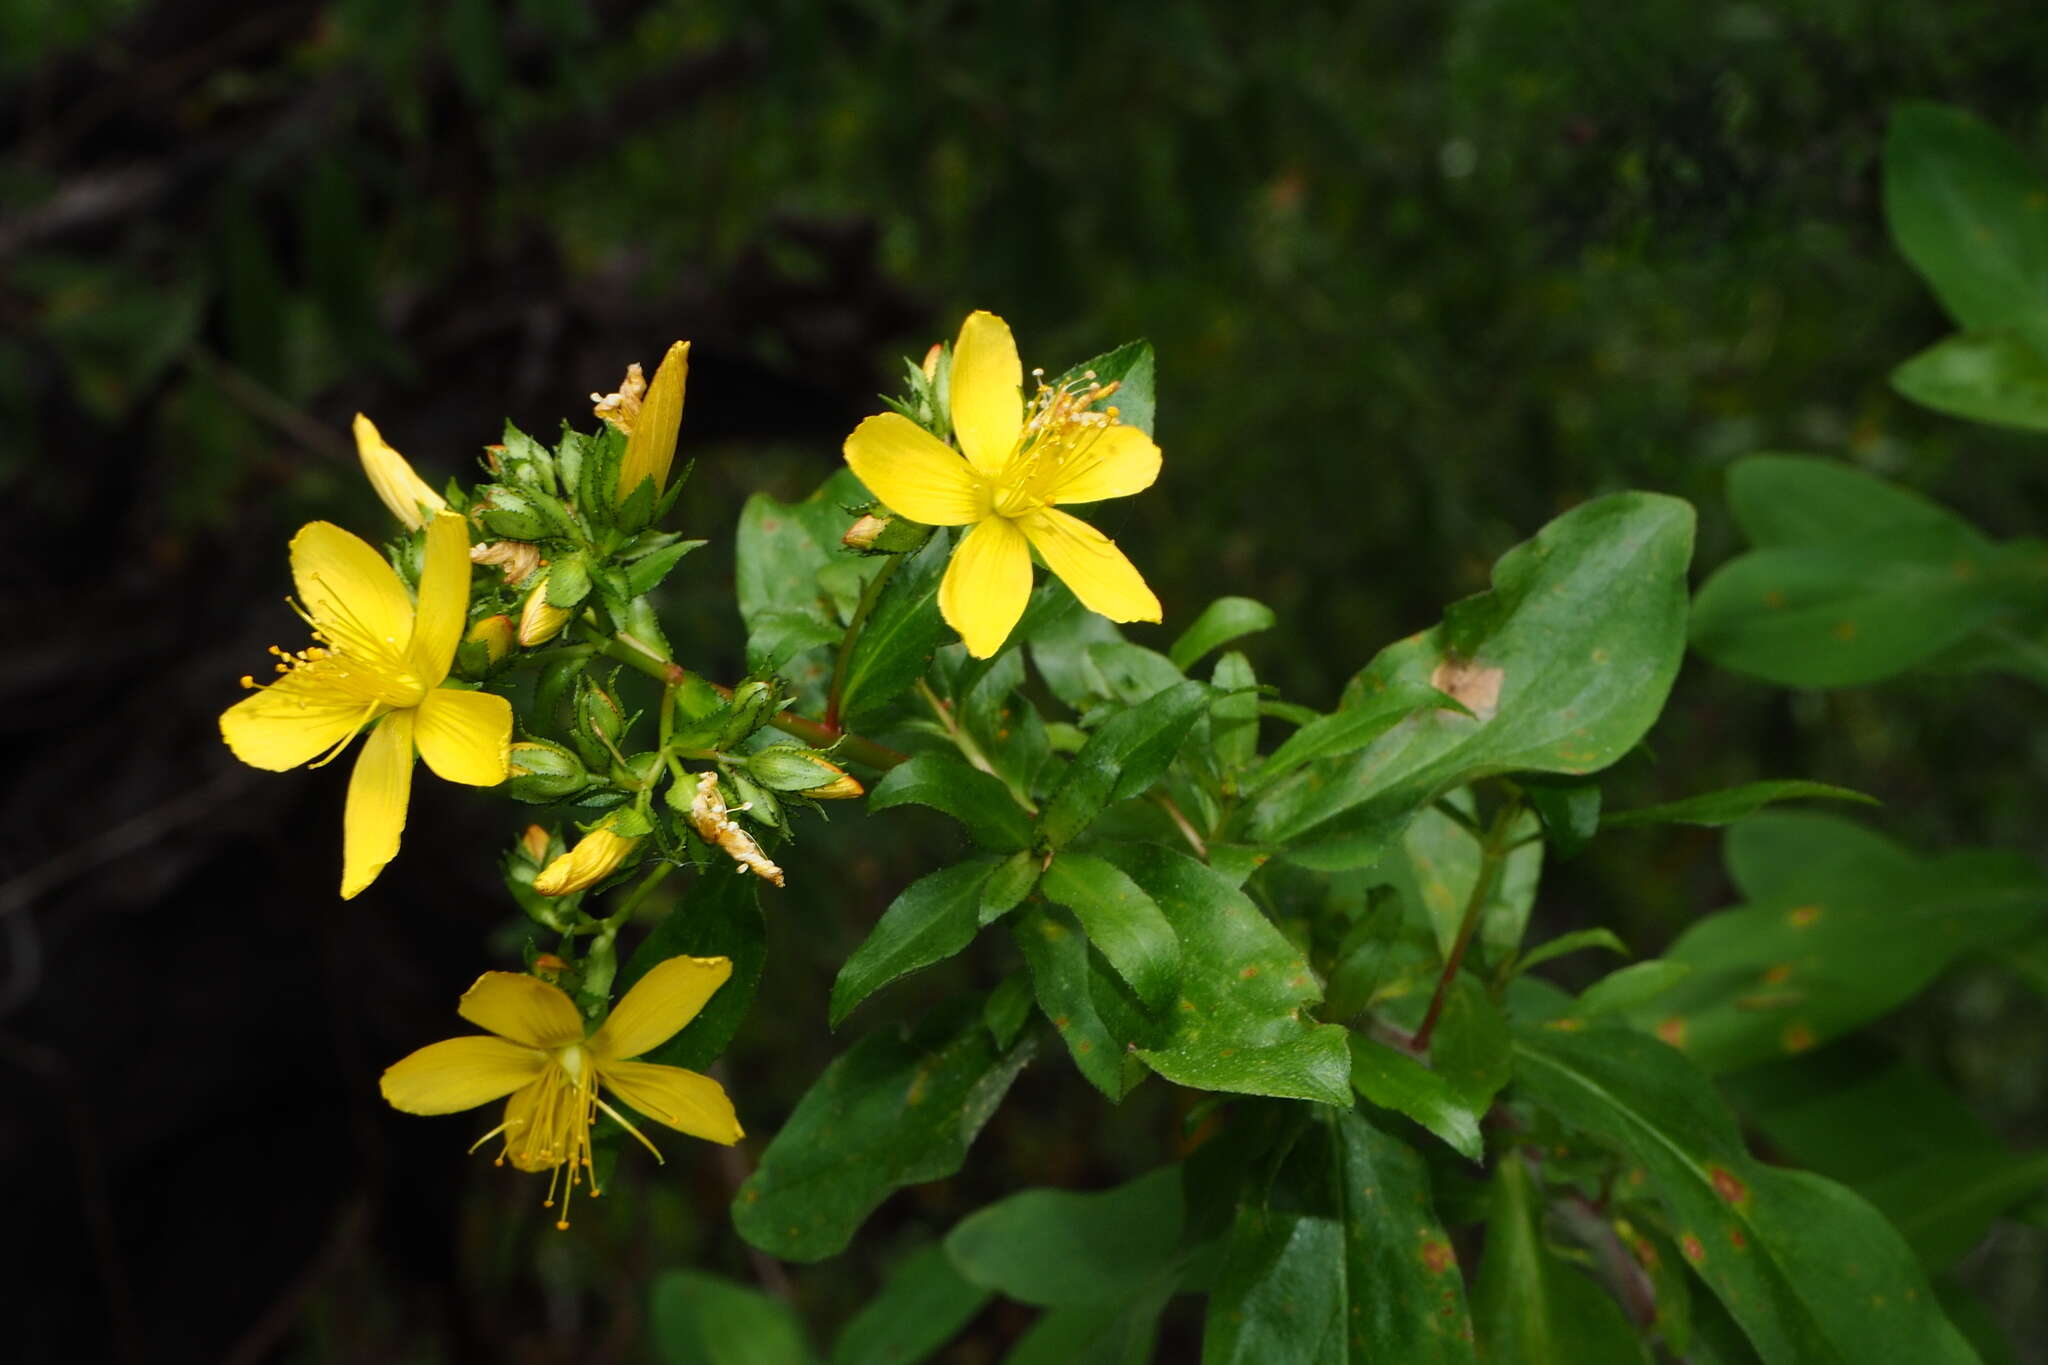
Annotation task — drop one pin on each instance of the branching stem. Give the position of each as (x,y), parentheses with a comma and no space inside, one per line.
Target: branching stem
(1493,851)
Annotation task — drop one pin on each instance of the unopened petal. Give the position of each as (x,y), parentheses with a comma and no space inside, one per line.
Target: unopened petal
(914,472)
(986,393)
(444,598)
(596,856)
(658,1006)
(378,791)
(353,596)
(459,1074)
(651,445)
(684,1100)
(1116,462)
(465,737)
(294,720)
(1090,563)
(523,1008)
(986,586)
(401,489)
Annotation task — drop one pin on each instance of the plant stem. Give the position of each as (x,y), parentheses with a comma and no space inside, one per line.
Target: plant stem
(1185,825)
(868,596)
(964,742)
(630,652)
(1492,854)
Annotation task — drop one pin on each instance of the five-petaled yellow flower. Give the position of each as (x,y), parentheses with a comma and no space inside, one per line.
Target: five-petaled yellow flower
(541,1058)
(1016,464)
(376,658)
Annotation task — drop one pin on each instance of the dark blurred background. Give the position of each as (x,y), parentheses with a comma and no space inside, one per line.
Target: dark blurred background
(1420,276)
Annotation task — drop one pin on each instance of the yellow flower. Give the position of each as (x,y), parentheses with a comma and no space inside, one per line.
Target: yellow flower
(378,658)
(651,423)
(596,856)
(1017,463)
(540,1058)
(409,497)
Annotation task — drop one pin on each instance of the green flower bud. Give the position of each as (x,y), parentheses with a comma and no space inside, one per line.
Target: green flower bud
(599,722)
(753,702)
(543,772)
(513,516)
(790,768)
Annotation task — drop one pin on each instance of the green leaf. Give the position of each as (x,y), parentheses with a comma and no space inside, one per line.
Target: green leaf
(1240,1024)
(1094,1334)
(1394,1080)
(700,1319)
(1627,987)
(1895,1135)
(1439,869)
(898,1108)
(1470,1046)
(1126,756)
(1573,942)
(1131,366)
(1350,729)
(1054,1247)
(721,918)
(1970,212)
(921,1306)
(1120,920)
(776,636)
(1842,927)
(1008,1008)
(1064,972)
(1563,667)
(1730,804)
(902,633)
(780,547)
(935,917)
(1987,376)
(1343,1263)
(1008,885)
(1528,1306)
(1781,500)
(982,803)
(1570,812)
(1224,620)
(1234,714)
(1814,1275)
(645,573)
(568,580)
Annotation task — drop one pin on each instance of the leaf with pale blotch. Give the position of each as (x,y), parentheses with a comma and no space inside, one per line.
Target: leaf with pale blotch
(1814,1275)
(1562,666)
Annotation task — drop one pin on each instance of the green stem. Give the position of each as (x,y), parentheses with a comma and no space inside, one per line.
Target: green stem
(1493,850)
(630,652)
(861,611)
(542,658)
(965,743)
(637,895)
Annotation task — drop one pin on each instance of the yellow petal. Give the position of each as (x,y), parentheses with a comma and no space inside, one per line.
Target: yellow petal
(522,1008)
(378,790)
(987,585)
(914,472)
(444,599)
(986,394)
(1090,563)
(353,596)
(651,446)
(401,489)
(658,1006)
(1118,462)
(596,856)
(462,1073)
(465,737)
(684,1100)
(294,720)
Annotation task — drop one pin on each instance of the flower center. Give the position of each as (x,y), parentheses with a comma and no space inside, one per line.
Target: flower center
(1062,429)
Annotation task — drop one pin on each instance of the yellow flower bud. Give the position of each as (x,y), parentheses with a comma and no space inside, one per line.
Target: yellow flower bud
(861,535)
(539,622)
(496,635)
(534,843)
(651,438)
(596,856)
(931,360)
(401,490)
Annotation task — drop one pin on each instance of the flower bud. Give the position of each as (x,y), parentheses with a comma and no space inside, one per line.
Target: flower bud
(753,702)
(534,844)
(398,486)
(539,622)
(543,772)
(884,535)
(513,516)
(931,360)
(651,432)
(549,967)
(789,768)
(496,634)
(862,534)
(596,856)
